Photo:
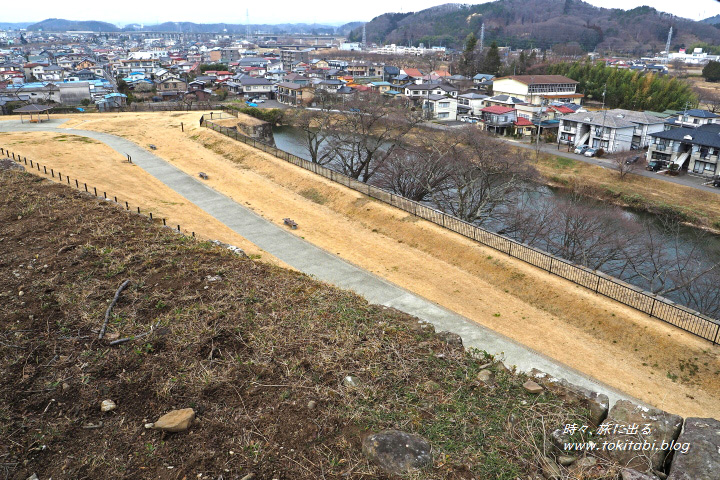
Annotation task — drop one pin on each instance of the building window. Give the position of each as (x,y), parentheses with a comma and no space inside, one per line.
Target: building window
(443,115)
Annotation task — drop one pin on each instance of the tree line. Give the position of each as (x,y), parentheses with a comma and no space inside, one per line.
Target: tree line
(627,89)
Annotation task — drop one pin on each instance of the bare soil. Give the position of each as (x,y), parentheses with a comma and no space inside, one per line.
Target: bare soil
(641,356)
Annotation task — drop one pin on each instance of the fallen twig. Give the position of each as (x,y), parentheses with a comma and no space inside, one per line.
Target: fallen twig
(127,339)
(109,309)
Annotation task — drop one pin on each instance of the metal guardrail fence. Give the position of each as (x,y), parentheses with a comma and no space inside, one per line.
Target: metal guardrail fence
(655,306)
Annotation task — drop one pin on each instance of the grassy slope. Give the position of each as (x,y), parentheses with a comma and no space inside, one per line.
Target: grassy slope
(694,206)
(248,352)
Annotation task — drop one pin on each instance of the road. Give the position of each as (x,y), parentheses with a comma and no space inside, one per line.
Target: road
(325,266)
(686,179)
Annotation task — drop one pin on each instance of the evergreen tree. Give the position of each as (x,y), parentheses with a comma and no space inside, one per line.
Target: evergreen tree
(711,72)
(492,61)
(467,64)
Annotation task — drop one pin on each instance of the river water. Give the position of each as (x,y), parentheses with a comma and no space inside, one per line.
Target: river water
(634,246)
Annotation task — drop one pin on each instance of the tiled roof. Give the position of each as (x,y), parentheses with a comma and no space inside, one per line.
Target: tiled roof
(497,109)
(523,122)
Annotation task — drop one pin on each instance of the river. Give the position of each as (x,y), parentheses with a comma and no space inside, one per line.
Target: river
(637,247)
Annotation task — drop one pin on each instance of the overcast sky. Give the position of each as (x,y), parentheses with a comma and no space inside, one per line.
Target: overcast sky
(280,11)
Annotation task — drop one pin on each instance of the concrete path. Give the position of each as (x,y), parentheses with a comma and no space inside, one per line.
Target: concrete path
(324,266)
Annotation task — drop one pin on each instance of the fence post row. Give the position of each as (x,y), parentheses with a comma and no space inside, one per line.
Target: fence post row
(576,274)
(18,159)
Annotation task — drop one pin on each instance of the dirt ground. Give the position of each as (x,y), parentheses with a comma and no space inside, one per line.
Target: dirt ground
(641,356)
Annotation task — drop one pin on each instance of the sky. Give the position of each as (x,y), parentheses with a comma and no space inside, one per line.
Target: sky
(282,11)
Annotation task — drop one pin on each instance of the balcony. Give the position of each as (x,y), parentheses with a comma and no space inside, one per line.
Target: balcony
(706,157)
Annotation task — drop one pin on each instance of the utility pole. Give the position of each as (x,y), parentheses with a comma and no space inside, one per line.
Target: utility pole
(667,46)
(602,132)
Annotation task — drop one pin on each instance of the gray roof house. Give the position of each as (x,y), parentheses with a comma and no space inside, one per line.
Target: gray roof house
(614,130)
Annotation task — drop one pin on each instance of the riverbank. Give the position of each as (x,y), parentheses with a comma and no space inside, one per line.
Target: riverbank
(690,205)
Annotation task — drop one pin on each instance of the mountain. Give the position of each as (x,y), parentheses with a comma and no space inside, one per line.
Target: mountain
(712,20)
(539,23)
(62,25)
(13,26)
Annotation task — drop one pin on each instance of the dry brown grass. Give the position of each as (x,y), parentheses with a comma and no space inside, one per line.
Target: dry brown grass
(606,340)
(99,166)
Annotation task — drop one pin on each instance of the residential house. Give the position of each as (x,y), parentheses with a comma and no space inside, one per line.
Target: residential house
(389,72)
(424,89)
(498,119)
(523,127)
(329,85)
(692,118)
(51,73)
(85,63)
(297,78)
(381,87)
(414,75)
(440,107)
(614,130)
(538,89)
(471,104)
(256,87)
(694,149)
(170,87)
(503,101)
(294,94)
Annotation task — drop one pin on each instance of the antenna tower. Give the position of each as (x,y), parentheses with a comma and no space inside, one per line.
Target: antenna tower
(667,46)
(247,24)
(482,36)
(364,38)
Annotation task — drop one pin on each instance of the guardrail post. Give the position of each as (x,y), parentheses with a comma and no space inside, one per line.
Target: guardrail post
(717,332)
(597,285)
(652,307)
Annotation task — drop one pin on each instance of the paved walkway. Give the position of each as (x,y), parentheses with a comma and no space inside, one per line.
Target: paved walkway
(329,268)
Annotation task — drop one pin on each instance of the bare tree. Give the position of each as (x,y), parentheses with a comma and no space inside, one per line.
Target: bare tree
(625,163)
(417,171)
(367,133)
(315,127)
(670,260)
(483,175)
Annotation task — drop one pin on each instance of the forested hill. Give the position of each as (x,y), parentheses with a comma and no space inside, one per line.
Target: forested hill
(540,23)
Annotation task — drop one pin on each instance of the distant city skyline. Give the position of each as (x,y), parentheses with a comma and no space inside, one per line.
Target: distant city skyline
(283,11)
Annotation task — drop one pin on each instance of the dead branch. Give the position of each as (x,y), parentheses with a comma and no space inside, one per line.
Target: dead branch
(134,337)
(109,309)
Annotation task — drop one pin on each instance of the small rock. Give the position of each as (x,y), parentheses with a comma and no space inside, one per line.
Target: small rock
(450,338)
(550,470)
(176,421)
(249,476)
(311,404)
(532,387)
(630,474)
(21,293)
(351,381)
(397,452)
(485,377)
(566,460)
(585,463)
(213,278)
(65,386)
(107,406)
(149,425)
(33,477)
